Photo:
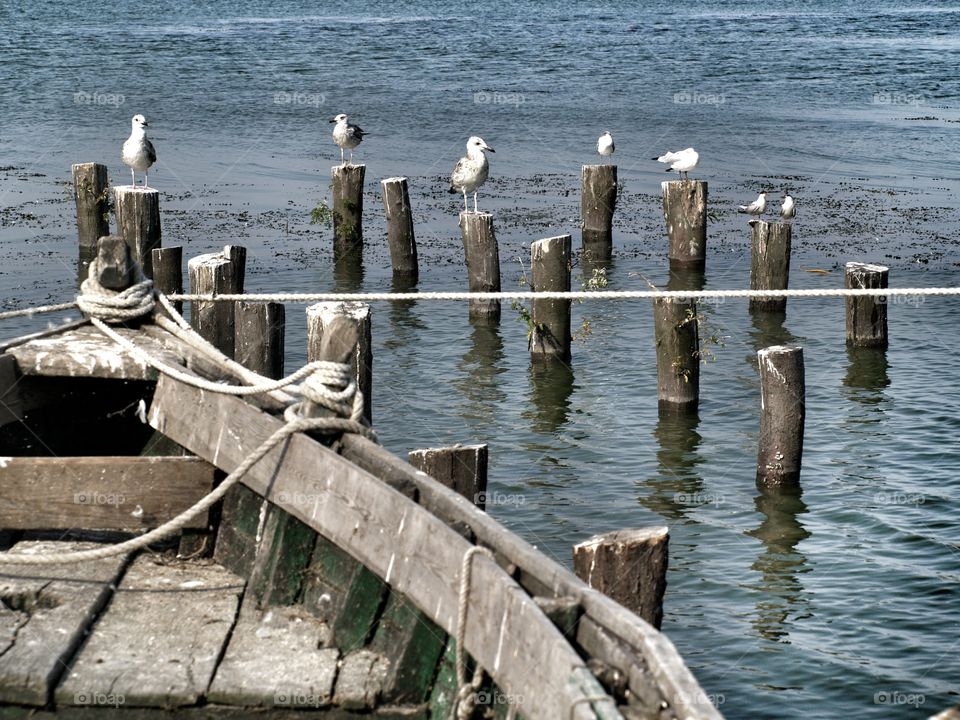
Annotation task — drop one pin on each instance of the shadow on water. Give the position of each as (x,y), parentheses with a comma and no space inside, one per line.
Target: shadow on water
(780,565)
(348,269)
(479,369)
(677,488)
(551,385)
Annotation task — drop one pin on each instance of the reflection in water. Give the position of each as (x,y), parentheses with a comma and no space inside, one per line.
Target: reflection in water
(404,322)
(768,330)
(781,563)
(551,384)
(867,370)
(479,367)
(594,258)
(348,268)
(677,488)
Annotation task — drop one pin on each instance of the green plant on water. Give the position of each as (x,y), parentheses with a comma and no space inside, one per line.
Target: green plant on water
(713,216)
(321,214)
(523,312)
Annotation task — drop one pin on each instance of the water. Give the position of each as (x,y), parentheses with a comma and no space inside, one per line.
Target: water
(838,603)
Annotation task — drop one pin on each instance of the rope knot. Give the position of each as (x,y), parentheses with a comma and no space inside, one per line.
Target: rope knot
(112,306)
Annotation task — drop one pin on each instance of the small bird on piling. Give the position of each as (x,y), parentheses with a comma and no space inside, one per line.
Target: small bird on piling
(138,152)
(471,171)
(605,146)
(683,161)
(346,136)
(756,208)
(788,211)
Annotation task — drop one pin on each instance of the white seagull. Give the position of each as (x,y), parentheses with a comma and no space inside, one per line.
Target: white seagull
(138,152)
(471,171)
(346,136)
(605,144)
(683,161)
(755,208)
(788,211)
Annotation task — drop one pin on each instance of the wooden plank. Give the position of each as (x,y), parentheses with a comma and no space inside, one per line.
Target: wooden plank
(100,493)
(279,565)
(409,548)
(159,641)
(236,546)
(444,690)
(45,612)
(11,405)
(361,680)
(278,658)
(462,468)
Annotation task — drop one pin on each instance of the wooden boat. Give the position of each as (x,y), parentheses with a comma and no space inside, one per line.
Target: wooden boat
(327,585)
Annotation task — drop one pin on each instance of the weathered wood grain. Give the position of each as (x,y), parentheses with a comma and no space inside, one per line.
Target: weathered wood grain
(347,181)
(259,330)
(138,222)
(685,215)
(100,493)
(91,188)
(462,468)
(400,236)
(782,416)
(216,273)
(677,340)
(115,266)
(550,262)
(168,272)
(598,200)
(866,317)
(320,316)
(361,680)
(44,613)
(769,262)
(482,257)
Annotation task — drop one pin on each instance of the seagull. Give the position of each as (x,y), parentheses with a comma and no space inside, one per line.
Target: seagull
(788,211)
(471,171)
(346,136)
(138,152)
(683,161)
(756,207)
(605,144)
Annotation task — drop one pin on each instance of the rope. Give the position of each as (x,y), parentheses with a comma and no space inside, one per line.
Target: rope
(114,306)
(466,693)
(28,312)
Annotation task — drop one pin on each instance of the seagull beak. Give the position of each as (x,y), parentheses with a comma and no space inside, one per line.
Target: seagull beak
(145,124)
(334,120)
(487,147)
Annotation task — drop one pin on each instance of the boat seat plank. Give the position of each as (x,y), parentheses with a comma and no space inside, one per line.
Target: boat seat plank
(363,675)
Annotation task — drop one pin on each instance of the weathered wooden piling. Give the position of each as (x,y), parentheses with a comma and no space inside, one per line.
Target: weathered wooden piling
(259,337)
(685,215)
(90,188)
(782,412)
(629,566)
(138,222)
(219,273)
(400,237)
(769,262)
(677,339)
(598,200)
(319,317)
(115,268)
(168,272)
(483,261)
(550,271)
(347,183)
(866,316)
(462,468)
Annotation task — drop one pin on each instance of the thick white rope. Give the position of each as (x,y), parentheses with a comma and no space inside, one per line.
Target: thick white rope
(466,691)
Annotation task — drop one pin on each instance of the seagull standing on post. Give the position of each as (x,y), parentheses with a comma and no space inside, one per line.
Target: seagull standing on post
(138,152)
(788,211)
(471,171)
(756,208)
(346,136)
(605,146)
(683,161)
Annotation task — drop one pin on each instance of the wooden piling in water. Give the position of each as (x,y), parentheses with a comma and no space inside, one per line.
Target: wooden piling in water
(219,273)
(866,317)
(168,272)
(782,413)
(347,183)
(138,222)
(483,261)
(677,339)
(629,566)
(400,237)
(320,316)
(462,468)
(769,262)
(90,188)
(685,215)
(550,271)
(259,337)
(598,200)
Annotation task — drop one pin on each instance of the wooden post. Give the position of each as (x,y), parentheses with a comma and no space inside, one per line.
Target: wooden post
(320,316)
(598,200)
(483,261)
(216,273)
(114,263)
(168,272)
(138,222)
(782,411)
(685,214)
(769,262)
(550,271)
(462,468)
(866,316)
(629,566)
(403,245)
(347,207)
(259,336)
(90,186)
(678,354)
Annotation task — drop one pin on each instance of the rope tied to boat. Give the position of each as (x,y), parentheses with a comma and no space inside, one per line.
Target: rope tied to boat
(466,697)
(115,306)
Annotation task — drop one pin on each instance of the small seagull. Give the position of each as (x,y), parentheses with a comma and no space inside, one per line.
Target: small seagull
(788,211)
(605,145)
(138,152)
(683,161)
(346,136)
(471,171)
(755,208)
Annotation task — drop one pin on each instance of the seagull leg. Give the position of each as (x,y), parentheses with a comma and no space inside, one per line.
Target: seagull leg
(466,208)
(133,179)
(475,204)
(342,159)
(146,178)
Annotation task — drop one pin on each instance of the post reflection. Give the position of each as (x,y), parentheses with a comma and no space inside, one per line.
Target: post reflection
(479,368)
(677,488)
(551,385)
